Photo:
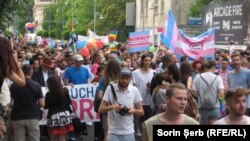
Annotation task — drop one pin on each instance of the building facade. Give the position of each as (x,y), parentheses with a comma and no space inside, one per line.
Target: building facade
(151,15)
(38,8)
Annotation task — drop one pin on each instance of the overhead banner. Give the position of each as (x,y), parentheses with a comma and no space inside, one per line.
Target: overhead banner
(138,41)
(82,97)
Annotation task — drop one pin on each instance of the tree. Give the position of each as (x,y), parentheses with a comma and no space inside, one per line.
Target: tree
(79,14)
(39,33)
(10,7)
(65,16)
(113,12)
(195,8)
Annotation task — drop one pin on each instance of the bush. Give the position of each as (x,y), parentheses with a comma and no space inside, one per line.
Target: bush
(8,33)
(52,33)
(66,34)
(39,33)
(79,31)
(45,33)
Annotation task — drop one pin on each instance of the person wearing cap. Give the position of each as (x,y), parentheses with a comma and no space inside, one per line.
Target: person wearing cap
(77,74)
(121,127)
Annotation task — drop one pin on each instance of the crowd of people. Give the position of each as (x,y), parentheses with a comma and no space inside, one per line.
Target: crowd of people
(135,90)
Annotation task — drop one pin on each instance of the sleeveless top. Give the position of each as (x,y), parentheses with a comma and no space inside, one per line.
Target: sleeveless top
(155,120)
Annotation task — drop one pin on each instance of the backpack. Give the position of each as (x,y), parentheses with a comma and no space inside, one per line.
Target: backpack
(208,99)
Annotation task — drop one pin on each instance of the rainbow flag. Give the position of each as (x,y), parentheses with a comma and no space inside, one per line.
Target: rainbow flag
(112,35)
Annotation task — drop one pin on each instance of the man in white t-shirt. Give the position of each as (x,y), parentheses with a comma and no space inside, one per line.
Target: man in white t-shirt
(142,78)
(236,104)
(120,121)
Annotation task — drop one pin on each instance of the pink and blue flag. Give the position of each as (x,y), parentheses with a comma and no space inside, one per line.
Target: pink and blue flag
(138,41)
(170,32)
(196,47)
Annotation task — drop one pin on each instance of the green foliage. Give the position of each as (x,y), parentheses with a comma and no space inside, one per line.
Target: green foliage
(8,33)
(80,30)
(195,8)
(52,33)
(21,8)
(66,34)
(114,18)
(39,33)
(80,13)
(45,33)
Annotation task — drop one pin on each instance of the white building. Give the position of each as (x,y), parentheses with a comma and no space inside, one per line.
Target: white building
(38,8)
(151,15)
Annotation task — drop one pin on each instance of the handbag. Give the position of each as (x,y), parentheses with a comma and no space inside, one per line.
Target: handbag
(59,119)
(76,121)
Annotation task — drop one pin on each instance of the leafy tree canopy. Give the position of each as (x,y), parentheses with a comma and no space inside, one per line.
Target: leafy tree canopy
(195,8)
(79,14)
(20,8)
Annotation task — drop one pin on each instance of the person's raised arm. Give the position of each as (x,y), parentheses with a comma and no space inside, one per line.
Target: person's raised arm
(17,76)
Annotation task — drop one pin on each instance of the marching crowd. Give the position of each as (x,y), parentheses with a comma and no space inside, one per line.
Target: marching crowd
(135,90)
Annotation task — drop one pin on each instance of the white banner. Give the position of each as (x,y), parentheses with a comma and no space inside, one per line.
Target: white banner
(82,97)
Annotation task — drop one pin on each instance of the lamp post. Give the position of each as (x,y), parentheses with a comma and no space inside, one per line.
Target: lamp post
(143,16)
(153,8)
(94,16)
(62,19)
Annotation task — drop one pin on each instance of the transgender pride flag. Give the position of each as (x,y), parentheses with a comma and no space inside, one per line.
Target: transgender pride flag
(196,47)
(138,41)
(170,32)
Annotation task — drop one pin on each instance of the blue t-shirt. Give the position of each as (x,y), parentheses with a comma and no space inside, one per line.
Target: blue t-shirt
(101,85)
(77,75)
(242,78)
